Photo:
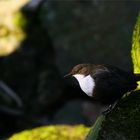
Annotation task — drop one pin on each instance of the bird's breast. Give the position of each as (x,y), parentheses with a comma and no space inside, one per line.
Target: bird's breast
(86,83)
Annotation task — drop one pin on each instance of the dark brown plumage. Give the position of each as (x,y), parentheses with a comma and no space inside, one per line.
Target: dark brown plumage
(111,82)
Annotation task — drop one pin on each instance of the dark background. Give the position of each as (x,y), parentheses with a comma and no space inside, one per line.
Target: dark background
(59,35)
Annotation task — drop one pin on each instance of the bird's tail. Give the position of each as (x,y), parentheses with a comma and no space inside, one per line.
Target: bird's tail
(137,76)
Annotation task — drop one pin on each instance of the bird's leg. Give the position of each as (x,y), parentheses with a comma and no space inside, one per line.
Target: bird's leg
(109,109)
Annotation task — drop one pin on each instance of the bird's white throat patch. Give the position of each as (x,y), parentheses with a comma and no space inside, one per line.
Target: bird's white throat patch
(86,83)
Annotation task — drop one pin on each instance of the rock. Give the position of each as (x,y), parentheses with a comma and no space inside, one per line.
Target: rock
(123,122)
(78,112)
(90,31)
(31,71)
(71,113)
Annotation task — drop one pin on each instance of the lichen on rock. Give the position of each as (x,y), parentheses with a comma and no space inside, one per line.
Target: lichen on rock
(53,132)
(11,20)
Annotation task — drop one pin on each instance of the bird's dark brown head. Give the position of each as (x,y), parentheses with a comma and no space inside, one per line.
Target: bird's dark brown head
(81,69)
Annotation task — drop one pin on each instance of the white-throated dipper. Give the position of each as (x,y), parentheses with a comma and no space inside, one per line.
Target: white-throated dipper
(105,83)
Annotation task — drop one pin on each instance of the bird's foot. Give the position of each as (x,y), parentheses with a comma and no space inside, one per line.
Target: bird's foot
(109,109)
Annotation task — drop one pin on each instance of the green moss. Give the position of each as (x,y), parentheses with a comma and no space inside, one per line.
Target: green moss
(19,20)
(12,34)
(136,47)
(56,132)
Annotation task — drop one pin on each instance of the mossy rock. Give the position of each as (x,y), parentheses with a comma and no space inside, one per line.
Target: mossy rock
(124,122)
(53,132)
(12,22)
(136,47)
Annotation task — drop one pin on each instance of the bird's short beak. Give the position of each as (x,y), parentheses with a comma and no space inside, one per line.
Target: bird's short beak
(69,74)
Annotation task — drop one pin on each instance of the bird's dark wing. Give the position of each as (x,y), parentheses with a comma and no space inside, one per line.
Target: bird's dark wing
(112,83)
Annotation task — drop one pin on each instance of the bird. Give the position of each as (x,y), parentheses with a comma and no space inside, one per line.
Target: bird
(104,83)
